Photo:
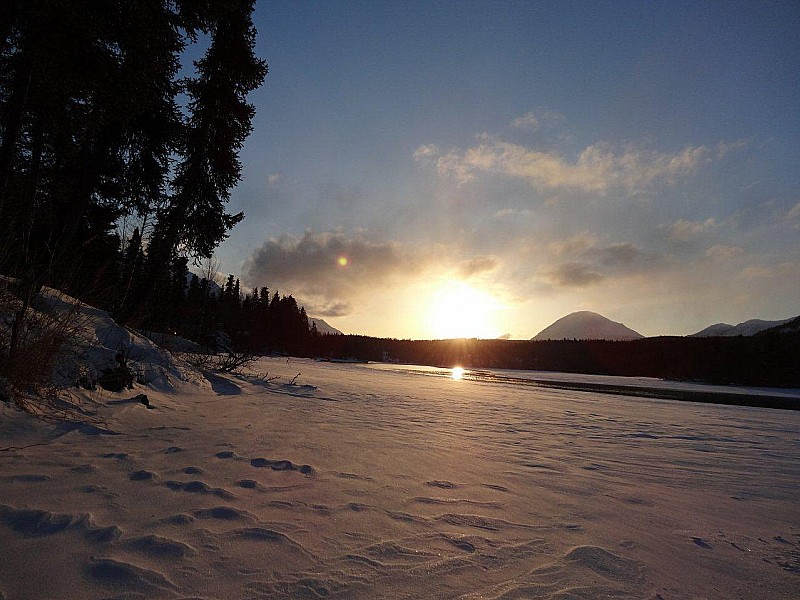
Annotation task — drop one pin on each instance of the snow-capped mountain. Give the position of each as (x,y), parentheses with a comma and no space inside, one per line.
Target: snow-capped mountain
(587,325)
(212,286)
(751,327)
(322,326)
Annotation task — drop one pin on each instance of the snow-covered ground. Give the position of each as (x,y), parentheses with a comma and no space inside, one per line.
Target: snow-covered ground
(359,481)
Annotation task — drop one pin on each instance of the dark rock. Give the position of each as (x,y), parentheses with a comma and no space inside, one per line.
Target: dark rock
(143,399)
(118,378)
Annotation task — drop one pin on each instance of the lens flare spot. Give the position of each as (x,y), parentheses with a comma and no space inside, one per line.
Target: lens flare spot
(342,261)
(458,373)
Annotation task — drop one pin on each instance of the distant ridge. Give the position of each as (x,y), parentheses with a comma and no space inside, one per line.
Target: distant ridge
(587,325)
(792,326)
(213,288)
(323,327)
(747,328)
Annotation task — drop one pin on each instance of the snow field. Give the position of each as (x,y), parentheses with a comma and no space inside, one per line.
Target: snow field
(355,482)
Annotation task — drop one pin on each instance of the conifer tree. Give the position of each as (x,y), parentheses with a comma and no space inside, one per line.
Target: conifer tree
(219,121)
(89,119)
(90,128)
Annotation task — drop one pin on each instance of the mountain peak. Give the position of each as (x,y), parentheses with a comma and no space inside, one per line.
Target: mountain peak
(587,325)
(323,327)
(746,328)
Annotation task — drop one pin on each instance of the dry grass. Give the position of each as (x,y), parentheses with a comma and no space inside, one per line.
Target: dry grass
(230,361)
(44,340)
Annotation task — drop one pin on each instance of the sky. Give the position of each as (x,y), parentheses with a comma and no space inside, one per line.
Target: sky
(481,169)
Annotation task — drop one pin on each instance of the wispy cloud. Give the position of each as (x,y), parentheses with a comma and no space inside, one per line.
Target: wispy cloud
(620,254)
(573,274)
(725,148)
(786,271)
(533,120)
(526,121)
(757,272)
(721,252)
(684,230)
(575,245)
(586,246)
(426,152)
(477,265)
(505,213)
(598,168)
(582,260)
(793,214)
(331,309)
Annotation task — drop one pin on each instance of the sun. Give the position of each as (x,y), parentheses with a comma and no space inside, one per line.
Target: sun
(458,310)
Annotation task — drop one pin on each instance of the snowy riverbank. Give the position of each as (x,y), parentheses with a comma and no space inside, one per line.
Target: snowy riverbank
(361,483)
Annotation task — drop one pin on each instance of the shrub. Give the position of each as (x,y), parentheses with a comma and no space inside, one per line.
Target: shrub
(32,342)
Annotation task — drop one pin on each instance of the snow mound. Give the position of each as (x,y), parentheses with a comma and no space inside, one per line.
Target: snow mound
(98,345)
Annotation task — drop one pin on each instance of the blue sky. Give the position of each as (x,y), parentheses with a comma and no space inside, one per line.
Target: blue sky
(517,161)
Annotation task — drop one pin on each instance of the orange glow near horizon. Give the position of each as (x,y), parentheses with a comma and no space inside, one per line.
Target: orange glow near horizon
(457,310)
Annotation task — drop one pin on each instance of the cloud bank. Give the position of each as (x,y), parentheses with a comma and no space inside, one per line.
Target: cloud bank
(328,272)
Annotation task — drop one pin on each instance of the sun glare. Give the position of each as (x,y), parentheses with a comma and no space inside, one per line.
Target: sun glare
(458,373)
(457,310)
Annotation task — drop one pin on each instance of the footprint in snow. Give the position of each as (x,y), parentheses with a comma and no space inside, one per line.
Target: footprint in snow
(701,542)
(228,454)
(445,485)
(223,513)
(281,465)
(198,487)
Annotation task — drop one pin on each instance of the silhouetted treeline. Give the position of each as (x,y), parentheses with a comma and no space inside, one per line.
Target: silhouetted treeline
(100,127)
(769,360)
(254,321)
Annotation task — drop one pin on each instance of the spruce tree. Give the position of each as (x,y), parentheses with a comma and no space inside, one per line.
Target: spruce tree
(219,121)
(91,130)
(87,95)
